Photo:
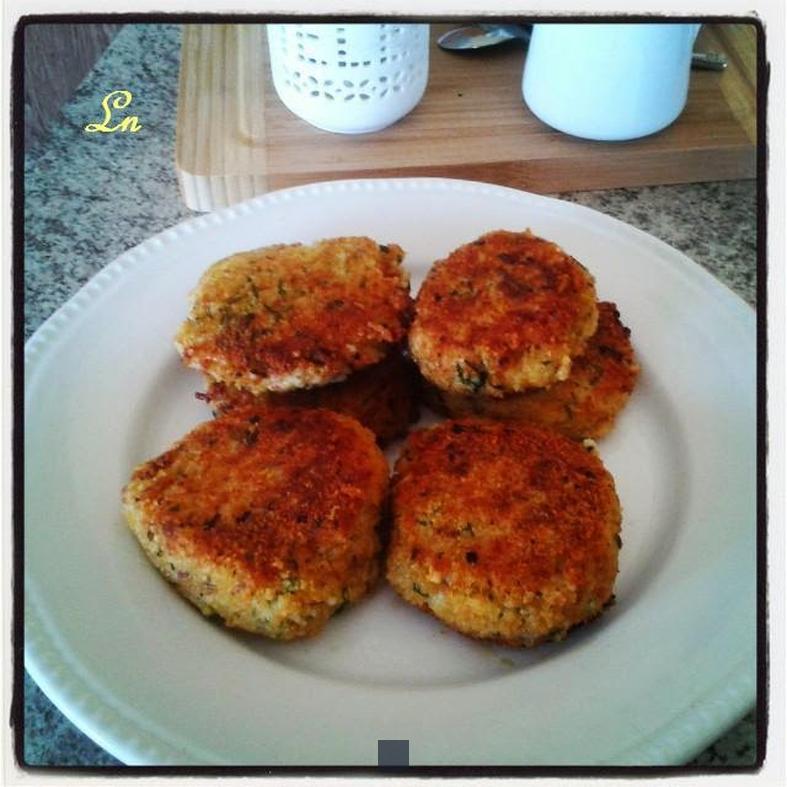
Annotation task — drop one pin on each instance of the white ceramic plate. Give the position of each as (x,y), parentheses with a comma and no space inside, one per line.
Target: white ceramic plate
(142,673)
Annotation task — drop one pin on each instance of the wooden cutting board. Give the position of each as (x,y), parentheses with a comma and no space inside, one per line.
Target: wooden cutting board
(236,139)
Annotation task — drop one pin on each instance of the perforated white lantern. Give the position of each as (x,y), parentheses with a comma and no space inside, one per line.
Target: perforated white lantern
(351,78)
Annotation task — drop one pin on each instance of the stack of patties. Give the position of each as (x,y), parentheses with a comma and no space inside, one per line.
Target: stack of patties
(510,531)
(508,327)
(317,326)
(269,516)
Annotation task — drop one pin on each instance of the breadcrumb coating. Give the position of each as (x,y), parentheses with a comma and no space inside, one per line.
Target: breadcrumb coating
(502,314)
(266,517)
(382,397)
(503,531)
(295,316)
(583,405)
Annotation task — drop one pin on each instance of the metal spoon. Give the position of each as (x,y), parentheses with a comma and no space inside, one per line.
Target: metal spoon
(484,35)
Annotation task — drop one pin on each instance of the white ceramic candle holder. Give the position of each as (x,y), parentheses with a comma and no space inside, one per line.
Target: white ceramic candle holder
(351,78)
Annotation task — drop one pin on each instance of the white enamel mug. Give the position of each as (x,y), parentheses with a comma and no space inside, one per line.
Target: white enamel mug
(608,81)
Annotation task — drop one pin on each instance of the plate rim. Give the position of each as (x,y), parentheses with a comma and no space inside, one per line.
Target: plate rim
(698,726)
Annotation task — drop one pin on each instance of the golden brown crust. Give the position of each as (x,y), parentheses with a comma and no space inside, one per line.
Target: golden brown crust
(584,405)
(267,517)
(382,397)
(295,316)
(501,314)
(503,531)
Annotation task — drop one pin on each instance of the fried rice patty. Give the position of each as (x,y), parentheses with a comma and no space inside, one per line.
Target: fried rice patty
(584,405)
(506,532)
(295,316)
(382,397)
(501,314)
(265,517)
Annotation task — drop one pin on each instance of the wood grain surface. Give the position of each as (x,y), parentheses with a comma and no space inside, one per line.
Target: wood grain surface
(739,85)
(235,138)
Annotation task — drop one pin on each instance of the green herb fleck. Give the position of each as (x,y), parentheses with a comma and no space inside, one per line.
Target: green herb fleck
(290,584)
(474,379)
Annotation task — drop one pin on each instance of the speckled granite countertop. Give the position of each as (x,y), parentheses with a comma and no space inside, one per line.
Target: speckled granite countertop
(90,197)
